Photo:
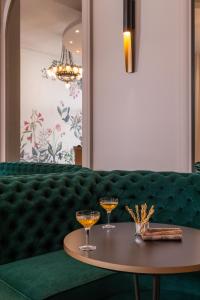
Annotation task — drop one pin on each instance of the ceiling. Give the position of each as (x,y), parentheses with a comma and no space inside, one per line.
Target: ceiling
(75,4)
(44,22)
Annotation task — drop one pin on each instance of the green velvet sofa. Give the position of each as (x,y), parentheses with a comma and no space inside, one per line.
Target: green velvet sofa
(37,209)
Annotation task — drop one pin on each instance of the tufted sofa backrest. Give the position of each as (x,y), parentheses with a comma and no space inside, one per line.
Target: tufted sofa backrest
(26,168)
(176,196)
(37,211)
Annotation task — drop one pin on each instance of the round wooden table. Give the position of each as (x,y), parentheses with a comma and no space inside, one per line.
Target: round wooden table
(119,250)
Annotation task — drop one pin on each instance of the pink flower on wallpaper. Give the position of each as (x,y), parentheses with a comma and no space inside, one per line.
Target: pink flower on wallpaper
(47,144)
(26,125)
(58,127)
(40,117)
(36,145)
(29,138)
(49,131)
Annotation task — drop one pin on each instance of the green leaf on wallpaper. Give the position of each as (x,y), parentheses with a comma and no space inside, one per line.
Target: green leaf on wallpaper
(42,151)
(66,119)
(34,152)
(66,109)
(27,131)
(59,147)
(23,145)
(59,111)
(22,153)
(50,150)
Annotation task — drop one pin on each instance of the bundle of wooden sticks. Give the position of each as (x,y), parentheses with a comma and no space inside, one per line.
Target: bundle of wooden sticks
(141,215)
(155,234)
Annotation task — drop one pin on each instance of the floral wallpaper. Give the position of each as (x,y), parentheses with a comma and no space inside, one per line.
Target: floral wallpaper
(54,144)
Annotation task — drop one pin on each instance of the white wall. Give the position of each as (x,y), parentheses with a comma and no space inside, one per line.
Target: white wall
(141,121)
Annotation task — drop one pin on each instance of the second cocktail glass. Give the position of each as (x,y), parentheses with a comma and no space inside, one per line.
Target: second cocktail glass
(108,204)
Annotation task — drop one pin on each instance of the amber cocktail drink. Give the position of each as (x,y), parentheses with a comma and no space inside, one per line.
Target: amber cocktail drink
(108,204)
(87,219)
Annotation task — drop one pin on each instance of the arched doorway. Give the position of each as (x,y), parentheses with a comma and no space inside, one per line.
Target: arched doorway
(10,82)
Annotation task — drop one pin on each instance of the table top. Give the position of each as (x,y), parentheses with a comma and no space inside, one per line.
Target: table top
(119,250)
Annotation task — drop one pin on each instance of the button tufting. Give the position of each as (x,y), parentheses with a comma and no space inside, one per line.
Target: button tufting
(30,222)
(39,233)
(36,186)
(12,225)
(47,193)
(52,184)
(21,210)
(71,203)
(18,188)
(21,237)
(63,192)
(11,198)
(86,200)
(30,249)
(29,195)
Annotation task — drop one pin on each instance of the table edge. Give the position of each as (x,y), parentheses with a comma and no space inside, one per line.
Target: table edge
(129,269)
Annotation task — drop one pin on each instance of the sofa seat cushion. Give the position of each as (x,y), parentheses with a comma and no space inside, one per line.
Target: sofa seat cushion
(57,276)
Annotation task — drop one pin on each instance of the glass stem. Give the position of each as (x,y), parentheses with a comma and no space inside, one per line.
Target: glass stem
(108,214)
(87,236)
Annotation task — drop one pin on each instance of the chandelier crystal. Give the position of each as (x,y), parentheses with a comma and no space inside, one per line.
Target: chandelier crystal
(65,69)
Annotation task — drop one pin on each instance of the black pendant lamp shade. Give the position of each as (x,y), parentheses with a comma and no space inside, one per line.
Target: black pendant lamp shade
(129,34)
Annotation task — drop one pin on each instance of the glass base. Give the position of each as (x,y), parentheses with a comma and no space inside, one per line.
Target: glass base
(87,248)
(139,227)
(108,226)
(138,239)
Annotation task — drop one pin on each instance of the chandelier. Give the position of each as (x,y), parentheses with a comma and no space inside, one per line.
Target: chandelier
(64,69)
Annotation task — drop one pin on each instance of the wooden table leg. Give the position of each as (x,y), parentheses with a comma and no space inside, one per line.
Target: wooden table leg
(156,287)
(136,287)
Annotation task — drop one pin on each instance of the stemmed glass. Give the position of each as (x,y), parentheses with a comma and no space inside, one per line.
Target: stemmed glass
(87,219)
(108,204)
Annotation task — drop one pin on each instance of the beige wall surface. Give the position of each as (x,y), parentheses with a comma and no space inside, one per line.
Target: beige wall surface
(142,120)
